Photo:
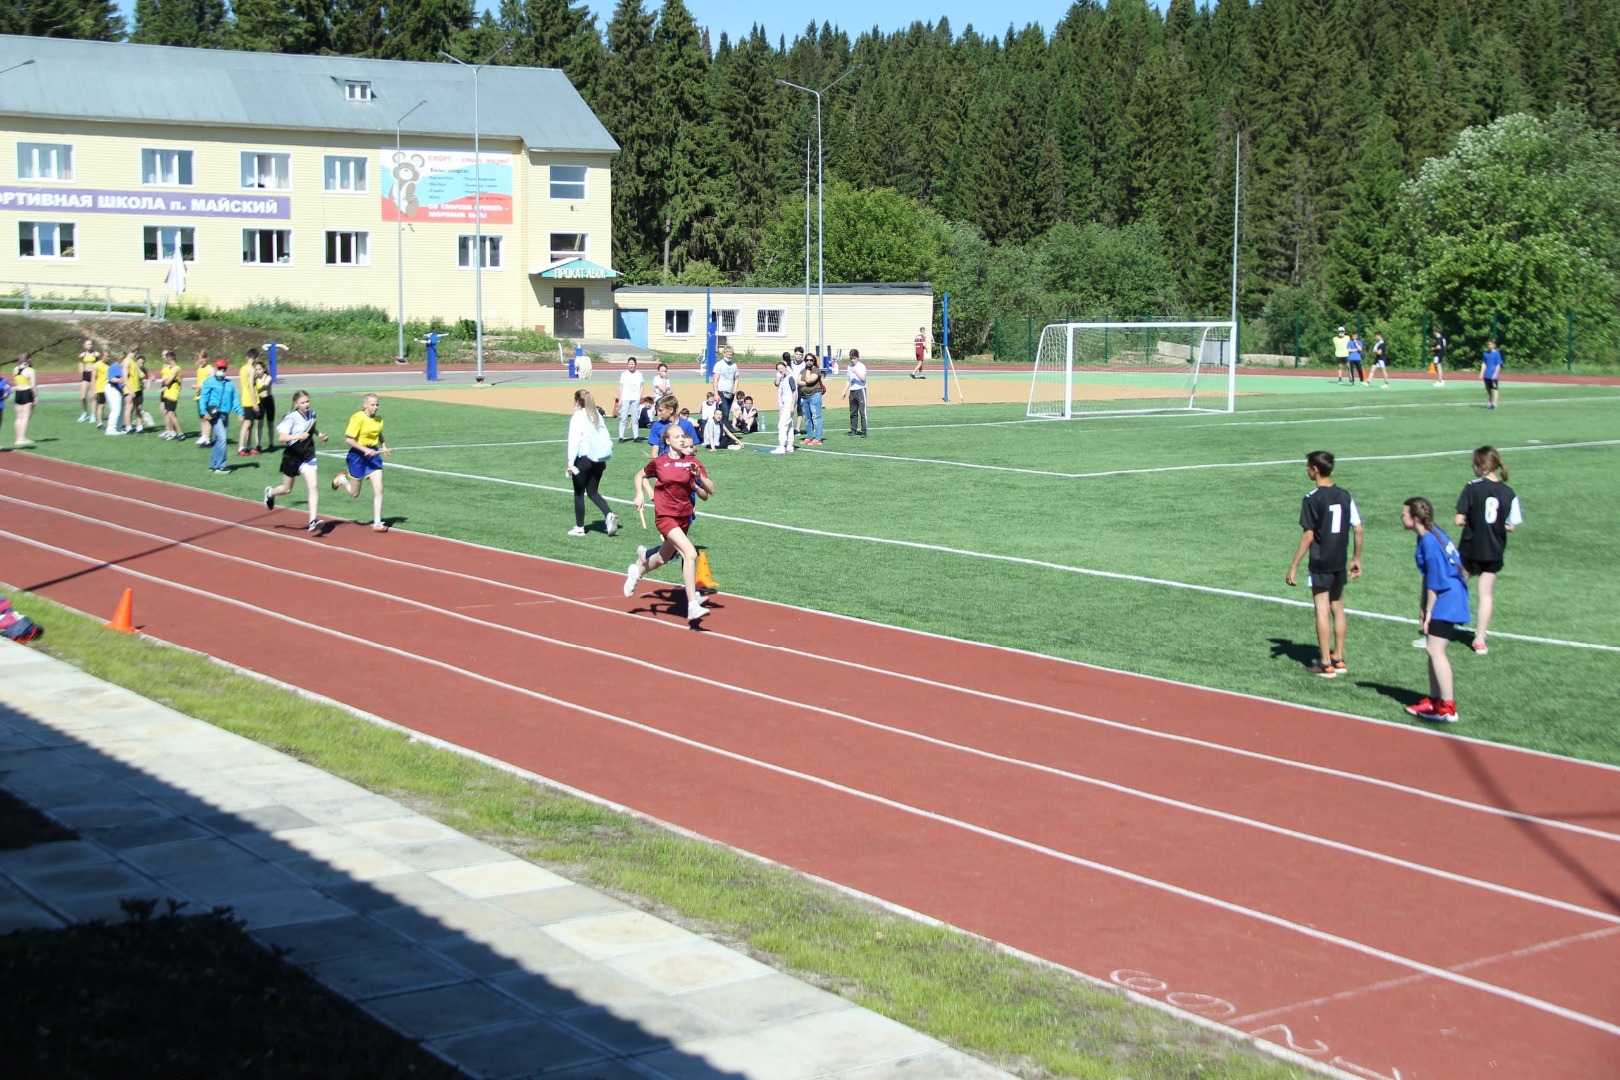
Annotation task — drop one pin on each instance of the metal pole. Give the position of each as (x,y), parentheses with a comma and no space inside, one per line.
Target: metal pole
(478,208)
(399,234)
(1237,187)
(821,271)
(807,237)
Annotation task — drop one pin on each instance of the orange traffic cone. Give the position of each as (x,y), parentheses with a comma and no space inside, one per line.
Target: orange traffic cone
(705,579)
(124,617)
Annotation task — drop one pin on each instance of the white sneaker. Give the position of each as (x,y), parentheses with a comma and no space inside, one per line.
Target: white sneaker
(695,611)
(1421,643)
(577,530)
(632,575)
(1439,384)
(780,450)
(1386,386)
(269,499)
(612,524)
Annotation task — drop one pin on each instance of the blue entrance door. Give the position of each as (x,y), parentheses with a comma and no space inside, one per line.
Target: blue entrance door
(630,324)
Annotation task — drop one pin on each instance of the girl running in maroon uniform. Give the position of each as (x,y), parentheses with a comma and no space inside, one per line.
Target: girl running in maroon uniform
(678,475)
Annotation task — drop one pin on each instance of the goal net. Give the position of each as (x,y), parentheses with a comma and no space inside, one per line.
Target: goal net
(1090,369)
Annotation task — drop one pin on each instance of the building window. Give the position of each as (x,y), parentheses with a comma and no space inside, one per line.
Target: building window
(160,241)
(169,167)
(492,251)
(44,161)
(345,173)
(769,321)
(568,181)
(725,320)
(356,90)
(267,245)
(567,245)
(348,249)
(45,240)
(269,172)
(677,321)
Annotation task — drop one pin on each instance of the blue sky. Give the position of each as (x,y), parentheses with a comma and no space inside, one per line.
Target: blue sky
(735,17)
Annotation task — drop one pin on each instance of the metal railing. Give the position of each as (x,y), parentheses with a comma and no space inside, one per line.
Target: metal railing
(42,296)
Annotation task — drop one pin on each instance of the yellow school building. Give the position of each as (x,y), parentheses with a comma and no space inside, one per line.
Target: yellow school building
(318,180)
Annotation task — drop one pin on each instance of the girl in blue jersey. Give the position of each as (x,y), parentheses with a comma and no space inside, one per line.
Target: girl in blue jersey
(1442,606)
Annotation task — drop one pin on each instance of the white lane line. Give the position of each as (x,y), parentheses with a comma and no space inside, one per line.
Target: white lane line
(1390,785)
(465,446)
(931,740)
(1407,980)
(1360,948)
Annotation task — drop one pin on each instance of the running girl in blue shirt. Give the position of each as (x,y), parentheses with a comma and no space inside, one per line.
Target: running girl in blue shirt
(1442,606)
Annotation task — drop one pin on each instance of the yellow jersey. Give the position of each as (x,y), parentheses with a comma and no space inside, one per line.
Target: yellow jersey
(23,379)
(169,375)
(365,430)
(87,360)
(204,370)
(100,380)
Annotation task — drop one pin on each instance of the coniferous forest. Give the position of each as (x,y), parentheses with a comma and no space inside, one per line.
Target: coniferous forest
(1400,157)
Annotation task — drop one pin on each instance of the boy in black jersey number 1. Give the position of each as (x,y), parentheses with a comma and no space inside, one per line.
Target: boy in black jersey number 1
(1327,519)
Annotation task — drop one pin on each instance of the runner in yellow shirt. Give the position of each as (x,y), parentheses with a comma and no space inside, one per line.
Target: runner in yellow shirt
(169,380)
(98,388)
(247,386)
(87,373)
(366,453)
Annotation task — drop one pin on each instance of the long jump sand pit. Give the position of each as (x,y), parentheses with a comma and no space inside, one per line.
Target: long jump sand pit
(882,390)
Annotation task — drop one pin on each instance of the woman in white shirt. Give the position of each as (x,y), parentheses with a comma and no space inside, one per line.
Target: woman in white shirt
(589,447)
(661,383)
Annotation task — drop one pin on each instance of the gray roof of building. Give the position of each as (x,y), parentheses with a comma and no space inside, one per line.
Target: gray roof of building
(877,288)
(114,81)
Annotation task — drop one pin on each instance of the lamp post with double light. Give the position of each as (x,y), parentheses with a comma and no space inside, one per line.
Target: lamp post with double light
(399,229)
(478,204)
(821,272)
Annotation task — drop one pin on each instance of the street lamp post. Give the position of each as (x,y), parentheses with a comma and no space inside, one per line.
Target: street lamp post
(478,206)
(821,273)
(399,232)
(14,67)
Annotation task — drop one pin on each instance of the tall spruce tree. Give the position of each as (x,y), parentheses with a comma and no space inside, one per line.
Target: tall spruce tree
(191,23)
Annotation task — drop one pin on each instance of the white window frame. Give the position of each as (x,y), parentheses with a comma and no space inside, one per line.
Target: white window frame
(359,243)
(54,229)
(558,254)
(162,238)
(568,186)
(492,251)
(283,246)
(32,155)
(152,172)
(357,90)
(725,321)
(251,181)
(761,320)
(338,168)
(672,322)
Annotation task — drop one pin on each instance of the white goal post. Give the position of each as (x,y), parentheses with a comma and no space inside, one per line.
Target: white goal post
(1097,368)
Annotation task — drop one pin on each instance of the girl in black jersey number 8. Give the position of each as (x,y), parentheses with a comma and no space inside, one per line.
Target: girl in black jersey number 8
(1487,510)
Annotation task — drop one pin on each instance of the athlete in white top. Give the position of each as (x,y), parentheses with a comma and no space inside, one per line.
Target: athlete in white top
(629,398)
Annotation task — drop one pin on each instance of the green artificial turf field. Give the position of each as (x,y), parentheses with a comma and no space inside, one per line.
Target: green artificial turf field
(1153,544)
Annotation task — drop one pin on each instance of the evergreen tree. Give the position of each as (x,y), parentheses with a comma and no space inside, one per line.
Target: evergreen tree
(421,29)
(287,26)
(622,103)
(555,34)
(191,23)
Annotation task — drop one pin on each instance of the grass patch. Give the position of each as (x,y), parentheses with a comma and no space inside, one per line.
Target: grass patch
(166,995)
(1024,1016)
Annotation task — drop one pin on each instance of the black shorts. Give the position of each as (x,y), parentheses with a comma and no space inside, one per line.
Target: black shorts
(168,406)
(1332,580)
(250,412)
(23,397)
(292,462)
(1491,384)
(1441,629)
(86,376)
(1476,567)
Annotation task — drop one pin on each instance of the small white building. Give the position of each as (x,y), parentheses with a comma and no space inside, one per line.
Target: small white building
(881,320)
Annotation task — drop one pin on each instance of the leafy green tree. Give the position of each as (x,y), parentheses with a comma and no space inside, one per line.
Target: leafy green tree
(1521,222)
(1095,272)
(870,235)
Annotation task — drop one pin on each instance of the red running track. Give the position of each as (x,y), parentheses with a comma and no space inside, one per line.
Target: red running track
(1384,900)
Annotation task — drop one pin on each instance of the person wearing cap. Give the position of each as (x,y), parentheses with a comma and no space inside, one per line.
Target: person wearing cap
(219,402)
(1341,353)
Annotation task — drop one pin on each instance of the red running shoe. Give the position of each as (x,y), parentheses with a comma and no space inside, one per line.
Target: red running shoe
(1422,707)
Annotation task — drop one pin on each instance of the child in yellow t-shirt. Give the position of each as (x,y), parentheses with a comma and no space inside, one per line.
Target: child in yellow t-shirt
(205,371)
(98,389)
(169,379)
(247,387)
(87,374)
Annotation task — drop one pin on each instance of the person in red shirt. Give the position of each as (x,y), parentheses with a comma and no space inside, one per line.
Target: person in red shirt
(920,346)
(672,478)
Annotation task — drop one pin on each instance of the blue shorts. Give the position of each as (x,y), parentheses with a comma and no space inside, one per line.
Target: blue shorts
(362,465)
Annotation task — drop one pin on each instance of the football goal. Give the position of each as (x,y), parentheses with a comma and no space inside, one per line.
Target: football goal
(1091,369)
